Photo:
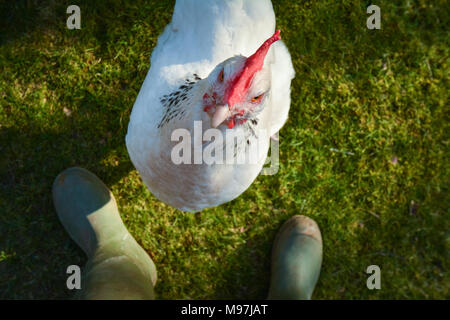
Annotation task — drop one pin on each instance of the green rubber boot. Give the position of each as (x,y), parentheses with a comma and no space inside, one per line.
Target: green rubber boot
(296,260)
(118,268)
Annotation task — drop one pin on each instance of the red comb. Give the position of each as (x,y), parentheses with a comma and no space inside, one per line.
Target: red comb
(235,92)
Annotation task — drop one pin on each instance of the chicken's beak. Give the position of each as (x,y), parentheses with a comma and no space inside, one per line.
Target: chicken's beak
(219,116)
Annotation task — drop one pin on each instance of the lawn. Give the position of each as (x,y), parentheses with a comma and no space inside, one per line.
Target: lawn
(364,152)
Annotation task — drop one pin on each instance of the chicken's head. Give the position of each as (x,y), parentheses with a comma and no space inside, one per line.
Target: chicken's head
(238,87)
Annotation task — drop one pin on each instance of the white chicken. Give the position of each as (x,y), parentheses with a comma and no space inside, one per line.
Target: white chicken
(218,64)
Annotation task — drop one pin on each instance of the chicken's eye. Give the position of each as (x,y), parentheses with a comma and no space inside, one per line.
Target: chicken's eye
(257,98)
(221,76)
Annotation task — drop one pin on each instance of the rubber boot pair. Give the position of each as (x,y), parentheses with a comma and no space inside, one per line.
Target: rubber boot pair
(118,268)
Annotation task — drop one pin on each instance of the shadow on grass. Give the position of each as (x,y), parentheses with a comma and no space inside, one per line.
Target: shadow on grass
(34,248)
(37,249)
(247,270)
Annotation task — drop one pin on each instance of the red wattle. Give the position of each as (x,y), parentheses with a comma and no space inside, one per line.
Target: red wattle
(206,108)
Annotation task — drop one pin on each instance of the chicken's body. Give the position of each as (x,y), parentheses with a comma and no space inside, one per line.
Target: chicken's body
(201,35)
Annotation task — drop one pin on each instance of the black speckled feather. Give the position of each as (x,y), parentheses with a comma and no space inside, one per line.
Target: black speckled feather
(172,102)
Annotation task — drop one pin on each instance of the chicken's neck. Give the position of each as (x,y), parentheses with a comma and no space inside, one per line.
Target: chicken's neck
(178,106)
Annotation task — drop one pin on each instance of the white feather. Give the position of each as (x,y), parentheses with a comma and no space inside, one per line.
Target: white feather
(201,35)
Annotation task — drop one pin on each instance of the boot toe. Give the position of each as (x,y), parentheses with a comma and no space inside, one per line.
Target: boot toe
(77,195)
(296,259)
